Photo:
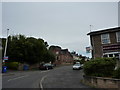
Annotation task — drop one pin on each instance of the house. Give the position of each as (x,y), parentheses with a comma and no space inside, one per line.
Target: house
(105,43)
(76,57)
(63,56)
(0,49)
(79,58)
(66,57)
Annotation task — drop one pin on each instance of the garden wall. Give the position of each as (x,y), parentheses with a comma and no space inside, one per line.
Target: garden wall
(100,82)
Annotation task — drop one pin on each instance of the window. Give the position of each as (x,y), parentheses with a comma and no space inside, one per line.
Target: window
(105,55)
(110,55)
(117,55)
(105,38)
(118,36)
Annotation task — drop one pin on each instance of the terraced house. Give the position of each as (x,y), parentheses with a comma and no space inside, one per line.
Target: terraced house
(105,43)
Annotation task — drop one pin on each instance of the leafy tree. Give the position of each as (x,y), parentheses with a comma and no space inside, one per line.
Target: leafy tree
(27,50)
(82,61)
(46,44)
(49,57)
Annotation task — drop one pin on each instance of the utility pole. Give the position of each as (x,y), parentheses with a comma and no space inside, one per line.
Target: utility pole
(6,44)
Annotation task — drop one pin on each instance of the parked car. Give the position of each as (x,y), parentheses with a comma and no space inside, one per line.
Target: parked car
(82,65)
(46,66)
(77,66)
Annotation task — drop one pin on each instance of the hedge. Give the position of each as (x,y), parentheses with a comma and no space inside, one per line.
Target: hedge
(116,73)
(101,67)
(12,65)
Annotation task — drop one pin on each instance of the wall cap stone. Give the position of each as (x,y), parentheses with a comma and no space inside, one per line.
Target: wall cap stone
(105,78)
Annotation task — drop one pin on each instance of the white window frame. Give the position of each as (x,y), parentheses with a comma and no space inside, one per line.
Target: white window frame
(118,40)
(112,53)
(105,38)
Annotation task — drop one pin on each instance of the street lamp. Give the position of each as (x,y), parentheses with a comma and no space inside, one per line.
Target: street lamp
(6,44)
(91,27)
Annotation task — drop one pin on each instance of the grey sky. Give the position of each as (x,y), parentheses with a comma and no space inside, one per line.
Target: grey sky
(119,13)
(62,24)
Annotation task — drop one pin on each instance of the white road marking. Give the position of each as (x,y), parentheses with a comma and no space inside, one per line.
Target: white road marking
(41,86)
(45,71)
(17,78)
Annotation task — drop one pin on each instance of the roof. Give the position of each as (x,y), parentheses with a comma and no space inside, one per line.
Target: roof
(54,47)
(104,31)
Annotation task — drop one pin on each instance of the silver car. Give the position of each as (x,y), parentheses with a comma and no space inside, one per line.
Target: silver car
(76,66)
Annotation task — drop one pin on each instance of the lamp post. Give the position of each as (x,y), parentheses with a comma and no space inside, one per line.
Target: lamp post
(91,27)
(6,44)
(91,38)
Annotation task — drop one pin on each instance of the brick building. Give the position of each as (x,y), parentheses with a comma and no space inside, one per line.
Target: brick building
(105,43)
(0,49)
(63,56)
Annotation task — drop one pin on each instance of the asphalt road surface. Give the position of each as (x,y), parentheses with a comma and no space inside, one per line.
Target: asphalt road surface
(60,77)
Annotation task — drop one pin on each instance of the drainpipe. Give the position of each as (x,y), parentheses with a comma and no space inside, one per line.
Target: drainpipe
(117,62)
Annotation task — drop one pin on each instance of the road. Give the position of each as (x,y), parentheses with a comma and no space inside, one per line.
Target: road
(60,77)
(28,79)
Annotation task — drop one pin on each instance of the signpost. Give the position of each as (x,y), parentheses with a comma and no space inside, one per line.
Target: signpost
(5,58)
(88,49)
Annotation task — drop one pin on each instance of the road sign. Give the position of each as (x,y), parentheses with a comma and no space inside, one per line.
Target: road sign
(88,49)
(5,58)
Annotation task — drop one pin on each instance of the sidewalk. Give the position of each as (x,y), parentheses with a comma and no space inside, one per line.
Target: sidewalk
(13,72)
(10,72)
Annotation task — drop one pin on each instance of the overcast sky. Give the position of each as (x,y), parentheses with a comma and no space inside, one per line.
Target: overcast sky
(62,23)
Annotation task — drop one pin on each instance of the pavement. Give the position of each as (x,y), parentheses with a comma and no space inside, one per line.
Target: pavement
(12,72)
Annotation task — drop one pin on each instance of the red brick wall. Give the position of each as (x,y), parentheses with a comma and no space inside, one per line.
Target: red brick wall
(62,58)
(97,45)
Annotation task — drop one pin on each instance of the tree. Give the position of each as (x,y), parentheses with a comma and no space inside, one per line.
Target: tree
(46,44)
(15,49)
(27,50)
(49,57)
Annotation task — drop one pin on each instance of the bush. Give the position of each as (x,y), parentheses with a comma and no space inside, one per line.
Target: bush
(82,61)
(12,65)
(101,67)
(116,73)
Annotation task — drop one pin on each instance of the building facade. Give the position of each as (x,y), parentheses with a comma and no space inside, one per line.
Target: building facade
(63,56)
(105,43)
